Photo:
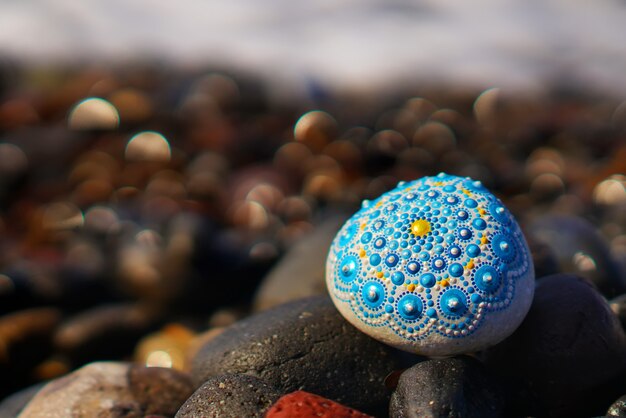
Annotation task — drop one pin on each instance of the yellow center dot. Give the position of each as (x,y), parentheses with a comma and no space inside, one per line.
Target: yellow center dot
(420,228)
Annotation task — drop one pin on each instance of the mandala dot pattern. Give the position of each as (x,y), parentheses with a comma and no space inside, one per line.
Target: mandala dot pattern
(437,266)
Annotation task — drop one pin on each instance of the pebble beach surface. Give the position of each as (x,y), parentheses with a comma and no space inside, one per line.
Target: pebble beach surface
(165,235)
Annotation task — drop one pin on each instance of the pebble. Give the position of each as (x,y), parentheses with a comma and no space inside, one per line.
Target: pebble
(437,266)
(581,250)
(235,395)
(450,387)
(108,331)
(301,404)
(25,341)
(618,408)
(569,343)
(304,345)
(111,389)
(300,273)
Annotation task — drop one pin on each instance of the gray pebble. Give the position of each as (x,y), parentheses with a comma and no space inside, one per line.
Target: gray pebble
(451,387)
(226,396)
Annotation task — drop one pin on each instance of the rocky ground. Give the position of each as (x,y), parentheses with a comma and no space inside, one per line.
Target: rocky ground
(163,246)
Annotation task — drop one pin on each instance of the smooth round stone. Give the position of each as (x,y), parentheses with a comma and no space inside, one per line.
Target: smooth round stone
(570,345)
(450,387)
(235,395)
(437,266)
(111,389)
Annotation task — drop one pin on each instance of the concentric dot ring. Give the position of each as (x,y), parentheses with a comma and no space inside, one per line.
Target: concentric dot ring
(431,262)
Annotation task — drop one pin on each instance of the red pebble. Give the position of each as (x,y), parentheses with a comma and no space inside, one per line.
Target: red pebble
(301,404)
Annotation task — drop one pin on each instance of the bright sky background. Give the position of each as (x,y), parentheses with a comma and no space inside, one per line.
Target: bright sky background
(350,43)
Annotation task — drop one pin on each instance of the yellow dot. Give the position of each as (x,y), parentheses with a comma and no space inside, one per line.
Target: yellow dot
(481,211)
(362,253)
(379,274)
(483,240)
(470,265)
(411,287)
(444,282)
(420,227)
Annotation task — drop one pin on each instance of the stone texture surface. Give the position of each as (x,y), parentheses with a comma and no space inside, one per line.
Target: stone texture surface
(301,404)
(235,395)
(304,345)
(618,408)
(570,343)
(451,387)
(111,390)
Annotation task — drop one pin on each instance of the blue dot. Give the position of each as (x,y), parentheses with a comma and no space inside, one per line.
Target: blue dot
(456,270)
(465,234)
(348,268)
(475,298)
(453,302)
(454,251)
(428,280)
(470,203)
(375,259)
(479,224)
(375,214)
(424,256)
(449,188)
(391,260)
(389,308)
(380,242)
(397,278)
(487,278)
(499,212)
(438,264)
(373,294)
(503,247)
(462,215)
(412,267)
(366,237)
(431,312)
(410,307)
(473,250)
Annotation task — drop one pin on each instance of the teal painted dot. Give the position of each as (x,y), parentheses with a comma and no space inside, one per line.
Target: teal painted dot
(431,312)
(470,203)
(375,259)
(397,278)
(473,250)
(366,237)
(479,224)
(428,280)
(455,270)
(389,308)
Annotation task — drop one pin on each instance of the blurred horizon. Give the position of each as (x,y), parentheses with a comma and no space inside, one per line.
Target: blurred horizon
(365,45)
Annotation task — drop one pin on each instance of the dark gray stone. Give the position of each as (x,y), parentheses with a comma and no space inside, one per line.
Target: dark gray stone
(451,387)
(304,345)
(569,343)
(236,395)
(580,250)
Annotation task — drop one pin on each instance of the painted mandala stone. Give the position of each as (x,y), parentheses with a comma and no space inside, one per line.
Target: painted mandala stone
(437,266)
